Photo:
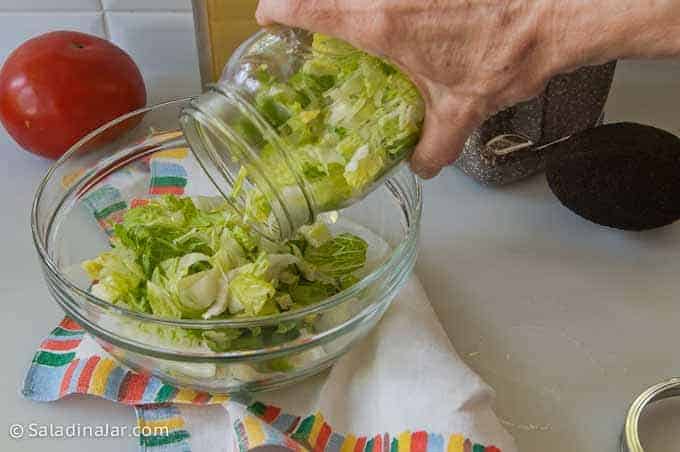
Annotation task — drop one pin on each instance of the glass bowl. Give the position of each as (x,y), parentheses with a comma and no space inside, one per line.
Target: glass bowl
(87,191)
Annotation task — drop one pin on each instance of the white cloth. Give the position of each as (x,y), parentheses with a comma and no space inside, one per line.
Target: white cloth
(405,375)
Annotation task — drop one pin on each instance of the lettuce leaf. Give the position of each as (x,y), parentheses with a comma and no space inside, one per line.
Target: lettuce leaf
(338,257)
(180,287)
(316,234)
(166,228)
(346,118)
(118,278)
(249,293)
(205,262)
(306,294)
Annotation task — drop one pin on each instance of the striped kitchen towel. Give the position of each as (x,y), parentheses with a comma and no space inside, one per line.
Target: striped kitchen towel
(387,391)
(70,362)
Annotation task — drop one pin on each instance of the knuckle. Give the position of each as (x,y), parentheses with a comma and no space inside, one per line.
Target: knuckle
(294,8)
(444,157)
(436,158)
(381,31)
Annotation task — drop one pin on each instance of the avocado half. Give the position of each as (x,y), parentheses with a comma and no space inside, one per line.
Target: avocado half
(623,175)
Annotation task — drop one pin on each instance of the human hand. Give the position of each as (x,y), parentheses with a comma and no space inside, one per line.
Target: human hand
(469,59)
(472,58)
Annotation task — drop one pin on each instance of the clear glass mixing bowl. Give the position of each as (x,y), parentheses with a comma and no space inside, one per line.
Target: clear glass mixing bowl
(66,232)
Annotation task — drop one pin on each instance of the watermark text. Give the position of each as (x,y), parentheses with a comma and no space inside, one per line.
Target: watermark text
(34,430)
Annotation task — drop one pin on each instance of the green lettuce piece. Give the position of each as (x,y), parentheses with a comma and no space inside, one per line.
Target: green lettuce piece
(331,47)
(284,301)
(221,340)
(162,302)
(279,265)
(257,207)
(364,169)
(309,293)
(316,234)
(246,238)
(238,183)
(279,365)
(178,290)
(332,191)
(338,257)
(118,278)
(229,253)
(348,281)
(180,258)
(166,228)
(249,293)
(181,338)
(345,117)
(270,308)
(198,291)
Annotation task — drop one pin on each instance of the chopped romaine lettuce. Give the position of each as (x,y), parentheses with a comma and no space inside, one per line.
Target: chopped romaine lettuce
(248,294)
(179,258)
(345,118)
(338,257)
(311,293)
(118,278)
(316,234)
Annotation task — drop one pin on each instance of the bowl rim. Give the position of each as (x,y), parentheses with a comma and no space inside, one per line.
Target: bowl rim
(412,215)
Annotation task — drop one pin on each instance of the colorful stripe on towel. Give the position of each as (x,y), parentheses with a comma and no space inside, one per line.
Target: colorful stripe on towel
(71,362)
(251,432)
(161,428)
(107,205)
(168,176)
(64,365)
(314,434)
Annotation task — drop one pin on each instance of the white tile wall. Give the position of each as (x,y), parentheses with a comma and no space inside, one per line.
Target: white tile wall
(147,5)
(163,45)
(158,34)
(50,5)
(16,27)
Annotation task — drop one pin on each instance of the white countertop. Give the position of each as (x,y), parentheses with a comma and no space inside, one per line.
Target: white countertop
(568,321)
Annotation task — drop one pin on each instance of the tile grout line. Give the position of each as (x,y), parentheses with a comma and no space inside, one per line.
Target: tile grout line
(93,11)
(49,10)
(105,24)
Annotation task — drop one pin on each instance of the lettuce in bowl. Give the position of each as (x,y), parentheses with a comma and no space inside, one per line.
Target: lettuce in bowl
(184,258)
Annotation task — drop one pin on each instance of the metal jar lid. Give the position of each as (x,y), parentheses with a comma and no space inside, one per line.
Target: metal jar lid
(630,438)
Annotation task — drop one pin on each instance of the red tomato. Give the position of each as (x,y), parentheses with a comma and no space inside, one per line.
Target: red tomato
(57,87)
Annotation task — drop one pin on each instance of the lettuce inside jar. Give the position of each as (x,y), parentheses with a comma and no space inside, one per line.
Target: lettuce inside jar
(300,125)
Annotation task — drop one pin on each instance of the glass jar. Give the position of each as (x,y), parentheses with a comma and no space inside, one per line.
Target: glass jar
(301,124)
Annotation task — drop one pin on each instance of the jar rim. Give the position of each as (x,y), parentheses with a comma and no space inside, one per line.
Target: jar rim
(300,38)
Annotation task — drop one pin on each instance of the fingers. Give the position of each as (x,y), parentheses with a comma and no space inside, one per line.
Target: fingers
(443,138)
(270,12)
(313,15)
(450,119)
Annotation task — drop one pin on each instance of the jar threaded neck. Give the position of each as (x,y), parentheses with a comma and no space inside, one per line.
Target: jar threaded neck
(228,137)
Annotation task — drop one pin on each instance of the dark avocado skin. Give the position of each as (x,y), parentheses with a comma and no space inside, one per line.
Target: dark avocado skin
(624,175)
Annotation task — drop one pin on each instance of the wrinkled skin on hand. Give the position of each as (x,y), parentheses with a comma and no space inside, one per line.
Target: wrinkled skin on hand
(472,58)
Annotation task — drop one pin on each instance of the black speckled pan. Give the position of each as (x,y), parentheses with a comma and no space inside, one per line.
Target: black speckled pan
(510,146)
(624,175)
